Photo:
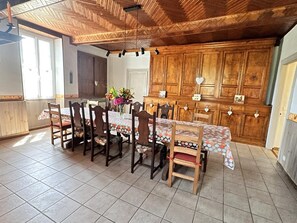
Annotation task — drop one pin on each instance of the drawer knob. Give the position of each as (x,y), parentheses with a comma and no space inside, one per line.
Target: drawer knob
(186,107)
(151,104)
(230,111)
(206,109)
(256,114)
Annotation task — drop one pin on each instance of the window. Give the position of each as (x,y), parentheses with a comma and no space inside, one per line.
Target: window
(37,63)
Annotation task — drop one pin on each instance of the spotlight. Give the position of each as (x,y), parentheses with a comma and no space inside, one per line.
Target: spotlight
(124,52)
(136,53)
(157,51)
(142,50)
(107,53)
(120,54)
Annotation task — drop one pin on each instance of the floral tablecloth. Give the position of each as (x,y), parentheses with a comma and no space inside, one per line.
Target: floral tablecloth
(215,138)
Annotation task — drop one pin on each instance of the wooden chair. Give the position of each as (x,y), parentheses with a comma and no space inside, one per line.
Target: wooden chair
(163,111)
(58,126)
(185,156)
(143,144)
(137,106)
(204,118)
(100,135)
(78,124)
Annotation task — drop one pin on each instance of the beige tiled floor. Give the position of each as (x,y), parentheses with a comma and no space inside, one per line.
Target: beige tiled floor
(42,183)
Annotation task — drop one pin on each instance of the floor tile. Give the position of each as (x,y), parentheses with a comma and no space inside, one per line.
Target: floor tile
(128,178)
(62,209)
(134,196)
(235,189)
(83,193)
(103,219)
(210,208)
(155,205)
(33,168)
(82,214)
(43,173)
(287,216)
(46,199)
(236,201)
(40,219)
(101,202)
(264,210)
(202,218)
(144,217)
(4,192)
(259,195)
(20,214)
(258,219)
(185,199)
(120,211)
(232,215)
(86,175)
(68,186)
(9,203)
(20,183)
(32,191)
(212,193)
(55,179)
(284,202)
(116,188)
(162,190)
(12,176)
(177,213)
(100,181)
(145,184)
(73,170)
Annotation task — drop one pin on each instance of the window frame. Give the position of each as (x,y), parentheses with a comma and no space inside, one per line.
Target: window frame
(36,38)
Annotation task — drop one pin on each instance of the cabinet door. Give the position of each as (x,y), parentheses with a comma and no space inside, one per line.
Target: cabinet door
(232,121)
(100,75)
(157,74)
(150,105)
(191,71)
(255,128)
(174,68)
(231,74)
(210,67)
(85,66)
(185,111)
(255,75)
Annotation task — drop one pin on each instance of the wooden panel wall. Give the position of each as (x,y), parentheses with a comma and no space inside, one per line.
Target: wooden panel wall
(13,119)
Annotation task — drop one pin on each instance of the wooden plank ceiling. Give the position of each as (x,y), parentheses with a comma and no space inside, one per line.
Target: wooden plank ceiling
(105,24)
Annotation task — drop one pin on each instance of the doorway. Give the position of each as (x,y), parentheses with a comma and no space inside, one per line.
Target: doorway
(281,104)
(137,81)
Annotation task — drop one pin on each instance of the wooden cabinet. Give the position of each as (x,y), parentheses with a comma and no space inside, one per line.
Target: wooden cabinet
(174,68)
(229,69)
(254,82)
(191,71)
(210,67)
(185,110)
(157,78)
(231,74)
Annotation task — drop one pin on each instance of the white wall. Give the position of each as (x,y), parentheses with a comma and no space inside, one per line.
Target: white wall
(117,68)
(10,66)
(293,108)
(288,55)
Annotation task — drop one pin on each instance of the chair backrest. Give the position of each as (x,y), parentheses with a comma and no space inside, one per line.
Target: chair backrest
(137,106)
(98,126)
(205,118)
(144,119)
(55,114)
(191,135)
(75,114)
(164,110)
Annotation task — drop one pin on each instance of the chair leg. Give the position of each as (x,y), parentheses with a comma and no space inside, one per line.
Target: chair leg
(152,164)
(106,154)
(205,161)
(132,159)
(62,141)
(85,145)
(196,179)
(52,135)
(92,150)
(169,182)
(120,149)
(72,141)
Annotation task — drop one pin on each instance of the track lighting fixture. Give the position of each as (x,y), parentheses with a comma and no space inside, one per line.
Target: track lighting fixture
(124,52)
(136,53)
(157,51)
(107,53)
(142,50)
(120,55)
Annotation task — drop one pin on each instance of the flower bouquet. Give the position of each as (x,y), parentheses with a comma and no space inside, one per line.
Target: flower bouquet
(120,97)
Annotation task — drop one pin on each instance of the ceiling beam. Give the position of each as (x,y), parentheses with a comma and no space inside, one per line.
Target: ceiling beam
(236,21)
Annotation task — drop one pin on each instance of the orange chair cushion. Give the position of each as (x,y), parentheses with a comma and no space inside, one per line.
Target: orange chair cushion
(64,124)
(185,157)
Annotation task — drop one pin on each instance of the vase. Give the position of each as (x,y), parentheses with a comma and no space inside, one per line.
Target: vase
(121,109)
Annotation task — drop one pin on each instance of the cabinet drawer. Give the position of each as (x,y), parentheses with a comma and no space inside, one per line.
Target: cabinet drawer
(225,107)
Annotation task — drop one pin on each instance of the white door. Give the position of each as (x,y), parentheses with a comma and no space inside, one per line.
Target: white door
(137,81)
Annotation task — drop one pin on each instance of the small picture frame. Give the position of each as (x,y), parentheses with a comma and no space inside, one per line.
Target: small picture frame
(196,97)
(162,94)
(239,99)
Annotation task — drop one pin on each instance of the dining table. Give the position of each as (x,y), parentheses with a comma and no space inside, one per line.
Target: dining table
(215,138)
